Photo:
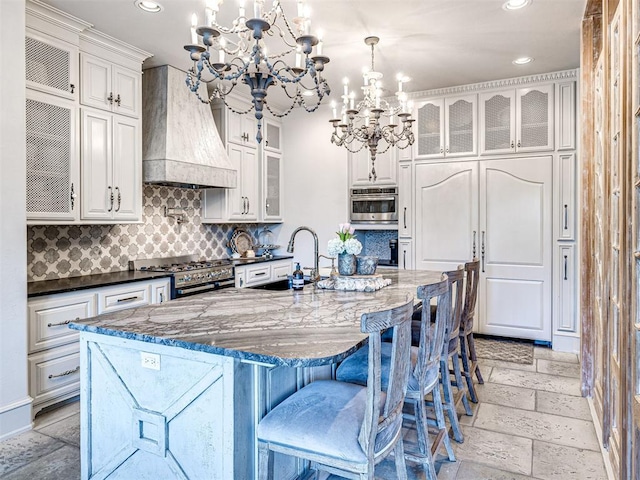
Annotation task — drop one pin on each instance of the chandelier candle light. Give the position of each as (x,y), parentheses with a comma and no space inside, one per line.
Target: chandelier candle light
(360,125)
(242,55)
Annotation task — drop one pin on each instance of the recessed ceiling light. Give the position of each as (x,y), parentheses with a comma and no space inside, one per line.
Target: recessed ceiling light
(148,6)
(308,93)
(516,4)
(522,60)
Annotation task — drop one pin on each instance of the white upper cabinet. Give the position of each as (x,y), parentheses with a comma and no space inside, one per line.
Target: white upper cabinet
(446,127)
(111,167)
(51,65)
(272,132)
(52,158)
(242,202)
(258,196)
(385,165)
(240,128)
(517,120)
(110,87)
(272,186)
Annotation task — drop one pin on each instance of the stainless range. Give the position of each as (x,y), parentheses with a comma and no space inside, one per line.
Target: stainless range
(189,274)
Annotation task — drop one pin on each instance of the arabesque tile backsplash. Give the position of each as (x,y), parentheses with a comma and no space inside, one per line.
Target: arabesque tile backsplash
(56,251)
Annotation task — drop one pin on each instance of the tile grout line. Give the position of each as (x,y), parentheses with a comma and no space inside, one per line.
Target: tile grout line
(32,461)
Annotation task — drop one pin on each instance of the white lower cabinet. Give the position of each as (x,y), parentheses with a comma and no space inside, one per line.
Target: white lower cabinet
(263,273)
(54,363)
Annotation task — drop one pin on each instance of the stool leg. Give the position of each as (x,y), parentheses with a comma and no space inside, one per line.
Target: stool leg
(265,462)
(423,439)
(401,467)
(464,354)
(455,358)
(474,358)
(437,406)
(449,402)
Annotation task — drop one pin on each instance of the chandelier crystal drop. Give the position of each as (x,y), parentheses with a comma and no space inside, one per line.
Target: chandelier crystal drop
(360,125)
(253,50)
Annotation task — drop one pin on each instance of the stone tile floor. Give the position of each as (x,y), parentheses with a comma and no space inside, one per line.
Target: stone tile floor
(530,423)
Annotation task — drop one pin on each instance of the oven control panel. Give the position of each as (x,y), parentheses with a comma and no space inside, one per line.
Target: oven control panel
(199,277)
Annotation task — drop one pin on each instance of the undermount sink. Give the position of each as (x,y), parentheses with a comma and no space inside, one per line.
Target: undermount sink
(277,286)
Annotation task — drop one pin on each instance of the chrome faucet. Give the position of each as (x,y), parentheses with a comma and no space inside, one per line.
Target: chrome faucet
(315,273)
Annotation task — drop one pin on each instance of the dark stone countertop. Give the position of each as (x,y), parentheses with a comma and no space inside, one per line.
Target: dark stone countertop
(71,284)
(296,329)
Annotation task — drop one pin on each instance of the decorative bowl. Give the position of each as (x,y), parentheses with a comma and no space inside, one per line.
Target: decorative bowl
(366,265)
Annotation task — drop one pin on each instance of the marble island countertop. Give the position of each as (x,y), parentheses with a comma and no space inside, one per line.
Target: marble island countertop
(307,328)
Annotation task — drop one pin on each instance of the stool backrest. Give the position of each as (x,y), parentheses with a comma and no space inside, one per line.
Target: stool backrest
(432,340)
(386,422)
(456,286)
(472,270)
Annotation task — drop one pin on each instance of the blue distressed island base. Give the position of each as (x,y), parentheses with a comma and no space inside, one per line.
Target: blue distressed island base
(176,390)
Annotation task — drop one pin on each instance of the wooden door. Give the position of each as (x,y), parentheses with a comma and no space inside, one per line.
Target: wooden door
(515,247)
(635,324)
(446,202)
(617,333)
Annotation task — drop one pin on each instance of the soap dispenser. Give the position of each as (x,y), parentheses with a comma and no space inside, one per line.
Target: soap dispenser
(298,278)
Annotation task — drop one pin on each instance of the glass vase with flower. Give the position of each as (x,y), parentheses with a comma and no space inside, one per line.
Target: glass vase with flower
(345,247)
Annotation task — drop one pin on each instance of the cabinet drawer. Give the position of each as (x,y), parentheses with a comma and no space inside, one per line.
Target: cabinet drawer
(49,320)
(281,272)
(128,296)
(258,275)
(54,374)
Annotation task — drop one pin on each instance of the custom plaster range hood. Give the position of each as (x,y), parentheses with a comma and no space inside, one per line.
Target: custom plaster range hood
(180,142)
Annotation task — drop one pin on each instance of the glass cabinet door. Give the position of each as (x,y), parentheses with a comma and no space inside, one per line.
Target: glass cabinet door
(273,186)
(430,129)
(461,126)
(497,113)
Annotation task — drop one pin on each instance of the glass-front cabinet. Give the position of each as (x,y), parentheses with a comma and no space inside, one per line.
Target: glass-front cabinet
(517,120)
(446,127)
(52,158)
(272,186)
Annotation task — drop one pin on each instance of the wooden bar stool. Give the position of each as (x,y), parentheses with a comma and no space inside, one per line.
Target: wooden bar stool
(470,365)
(451,351)
(425,360)
(343,428)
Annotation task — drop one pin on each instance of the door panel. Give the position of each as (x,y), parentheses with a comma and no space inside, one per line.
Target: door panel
(126,168)
(515,247)
(446,207)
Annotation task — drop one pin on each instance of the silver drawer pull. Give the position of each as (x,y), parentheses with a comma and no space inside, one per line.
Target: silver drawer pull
(64,374)
(66,322)
(128,299)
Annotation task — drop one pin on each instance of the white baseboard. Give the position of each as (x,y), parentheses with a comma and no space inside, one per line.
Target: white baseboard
(15,418)
(605,453)
(565,343)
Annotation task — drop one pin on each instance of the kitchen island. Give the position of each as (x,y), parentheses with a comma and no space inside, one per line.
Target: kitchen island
(176,390)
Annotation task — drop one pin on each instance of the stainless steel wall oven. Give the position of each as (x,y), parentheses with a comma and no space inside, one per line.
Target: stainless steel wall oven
(374,205)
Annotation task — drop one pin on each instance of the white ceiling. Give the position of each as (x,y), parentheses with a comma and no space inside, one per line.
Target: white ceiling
(438,43)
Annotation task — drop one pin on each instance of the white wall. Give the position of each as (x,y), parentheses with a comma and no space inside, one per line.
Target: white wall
(315,182)
(15,403)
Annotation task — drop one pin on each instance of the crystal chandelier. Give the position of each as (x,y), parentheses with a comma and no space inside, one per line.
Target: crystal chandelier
(360,125)
(242,55)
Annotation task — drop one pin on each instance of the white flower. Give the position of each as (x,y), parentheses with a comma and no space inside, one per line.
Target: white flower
(353,246)
(335,247)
